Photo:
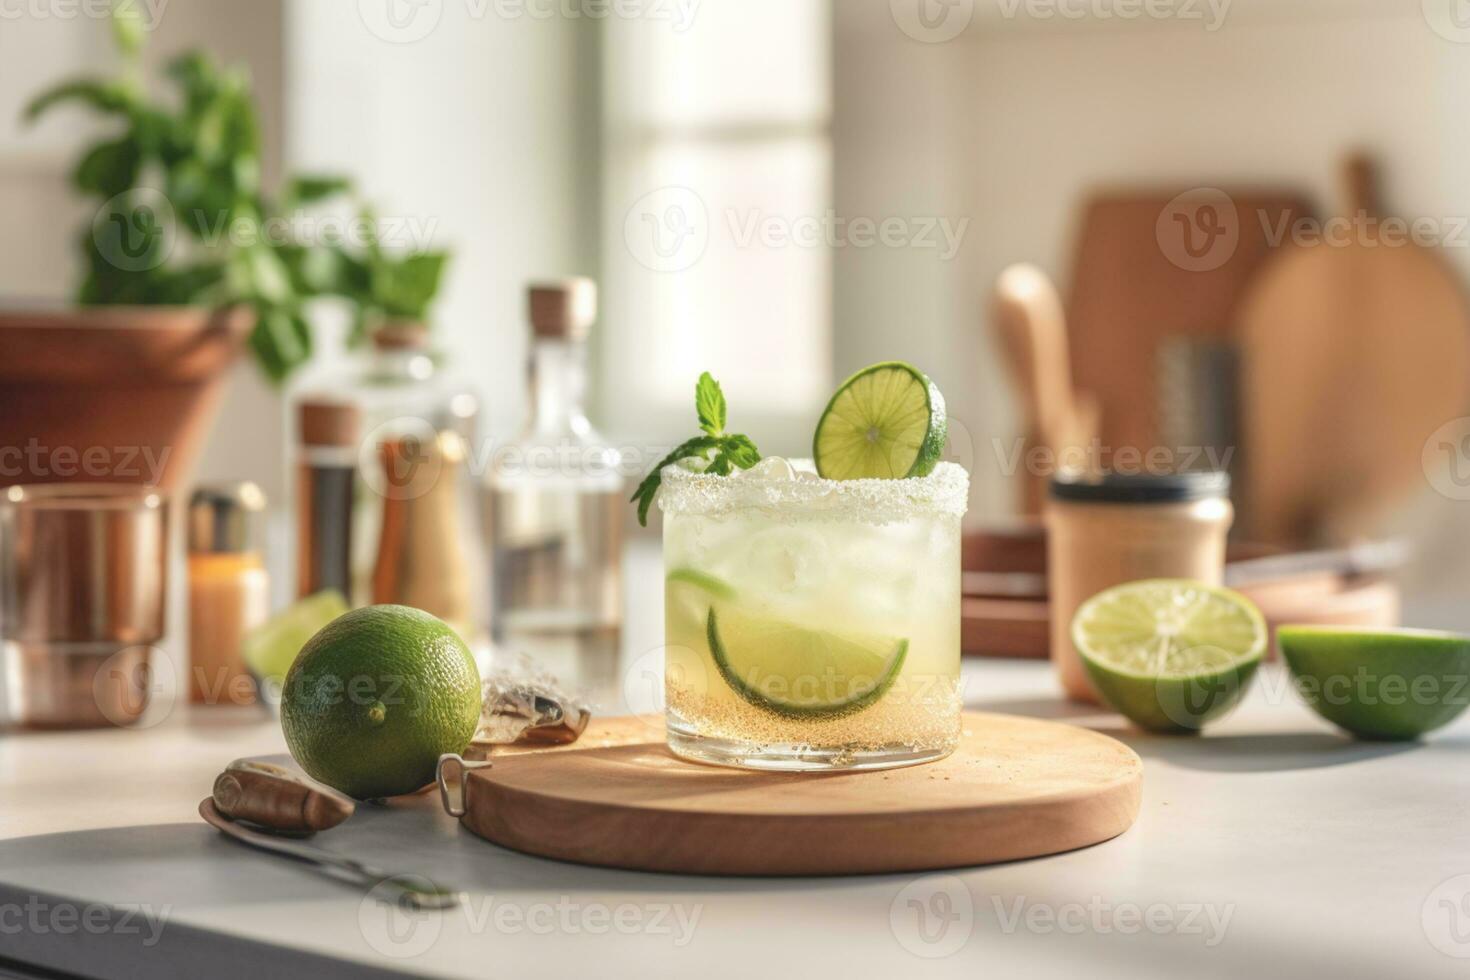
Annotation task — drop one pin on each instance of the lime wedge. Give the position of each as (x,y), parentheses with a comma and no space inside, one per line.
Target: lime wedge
(271,648)
(702,581)
(885,422)
(1170,655)
(1379,684)
(799,672)
(688,596)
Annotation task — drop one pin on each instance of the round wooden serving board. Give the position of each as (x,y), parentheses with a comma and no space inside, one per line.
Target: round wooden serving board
(1015,788)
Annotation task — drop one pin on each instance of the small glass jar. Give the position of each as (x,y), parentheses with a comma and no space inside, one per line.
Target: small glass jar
(1104,530)
(229,589)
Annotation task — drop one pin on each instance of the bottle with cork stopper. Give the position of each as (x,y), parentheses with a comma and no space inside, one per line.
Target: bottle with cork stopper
(552,504)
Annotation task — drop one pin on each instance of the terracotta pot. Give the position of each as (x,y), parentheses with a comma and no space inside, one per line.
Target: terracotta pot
(111,394)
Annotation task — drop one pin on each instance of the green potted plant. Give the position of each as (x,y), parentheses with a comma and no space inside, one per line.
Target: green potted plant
(187,260)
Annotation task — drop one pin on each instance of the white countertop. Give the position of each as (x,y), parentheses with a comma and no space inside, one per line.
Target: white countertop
(1270,847)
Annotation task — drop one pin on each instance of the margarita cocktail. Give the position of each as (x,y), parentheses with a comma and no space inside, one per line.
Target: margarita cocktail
(812,623)
(812,608)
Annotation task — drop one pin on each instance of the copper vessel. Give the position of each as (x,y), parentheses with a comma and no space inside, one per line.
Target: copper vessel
(83,586)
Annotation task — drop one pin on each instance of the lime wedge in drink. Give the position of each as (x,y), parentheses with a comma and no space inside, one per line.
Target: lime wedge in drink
(885,422)
(688,596)
(1380,684)
(271,648)
(799,672)
(703,581)
(1171,655)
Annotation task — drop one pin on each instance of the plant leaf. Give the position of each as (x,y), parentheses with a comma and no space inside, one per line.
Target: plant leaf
(97,94)
(648,489)
(108,169)
(128,29)
(709,404)
(313,188)
(740,450)
(281,341)
(405,287)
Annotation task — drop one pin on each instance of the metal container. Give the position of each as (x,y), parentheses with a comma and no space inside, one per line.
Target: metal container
(83,587)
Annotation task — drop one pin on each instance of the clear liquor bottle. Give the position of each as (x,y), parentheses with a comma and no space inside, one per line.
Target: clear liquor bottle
(552,506)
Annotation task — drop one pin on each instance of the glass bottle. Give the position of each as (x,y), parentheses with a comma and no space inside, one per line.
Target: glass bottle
(411,511)
(552,506)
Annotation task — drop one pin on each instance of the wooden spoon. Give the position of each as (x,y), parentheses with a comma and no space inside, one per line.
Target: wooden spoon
(1031,326)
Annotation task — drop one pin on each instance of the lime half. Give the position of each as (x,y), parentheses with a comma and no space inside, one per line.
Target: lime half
(885,422)
(800,672)
(1170,654)
(1383,683)
(271,648)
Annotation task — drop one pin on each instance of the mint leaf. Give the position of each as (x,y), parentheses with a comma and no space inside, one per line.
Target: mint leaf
(740,451)
(648,489)
(709,404)
(731,451)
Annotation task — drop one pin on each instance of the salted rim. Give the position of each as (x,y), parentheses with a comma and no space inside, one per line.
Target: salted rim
(944,491)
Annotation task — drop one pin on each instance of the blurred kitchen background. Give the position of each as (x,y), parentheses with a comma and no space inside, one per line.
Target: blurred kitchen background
(662,148)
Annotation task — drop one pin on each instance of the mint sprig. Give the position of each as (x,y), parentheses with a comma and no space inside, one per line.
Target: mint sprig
(731,451)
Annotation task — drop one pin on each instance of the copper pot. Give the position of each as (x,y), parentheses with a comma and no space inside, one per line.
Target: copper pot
(111,393)
(83,586)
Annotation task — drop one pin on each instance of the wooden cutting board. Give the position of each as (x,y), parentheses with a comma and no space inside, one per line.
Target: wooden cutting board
(1015,788)
(1141,281)
(1355,351)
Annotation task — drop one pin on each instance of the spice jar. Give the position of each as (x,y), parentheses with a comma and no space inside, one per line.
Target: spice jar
(1104,530)
(229,590)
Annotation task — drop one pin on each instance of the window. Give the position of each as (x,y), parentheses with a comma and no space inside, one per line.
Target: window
(716,185)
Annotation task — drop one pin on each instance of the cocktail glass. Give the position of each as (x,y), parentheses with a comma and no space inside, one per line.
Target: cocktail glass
(812,624)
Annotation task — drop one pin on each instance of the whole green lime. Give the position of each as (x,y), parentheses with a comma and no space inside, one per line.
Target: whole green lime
(375,698)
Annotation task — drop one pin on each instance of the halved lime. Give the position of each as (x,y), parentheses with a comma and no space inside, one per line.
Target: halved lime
(271,648)
(885,422)
(1381,684)
(1169,654)
(800,672)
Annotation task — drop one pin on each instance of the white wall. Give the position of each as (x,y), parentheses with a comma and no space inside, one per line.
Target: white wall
(1013,121)
(482,129)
